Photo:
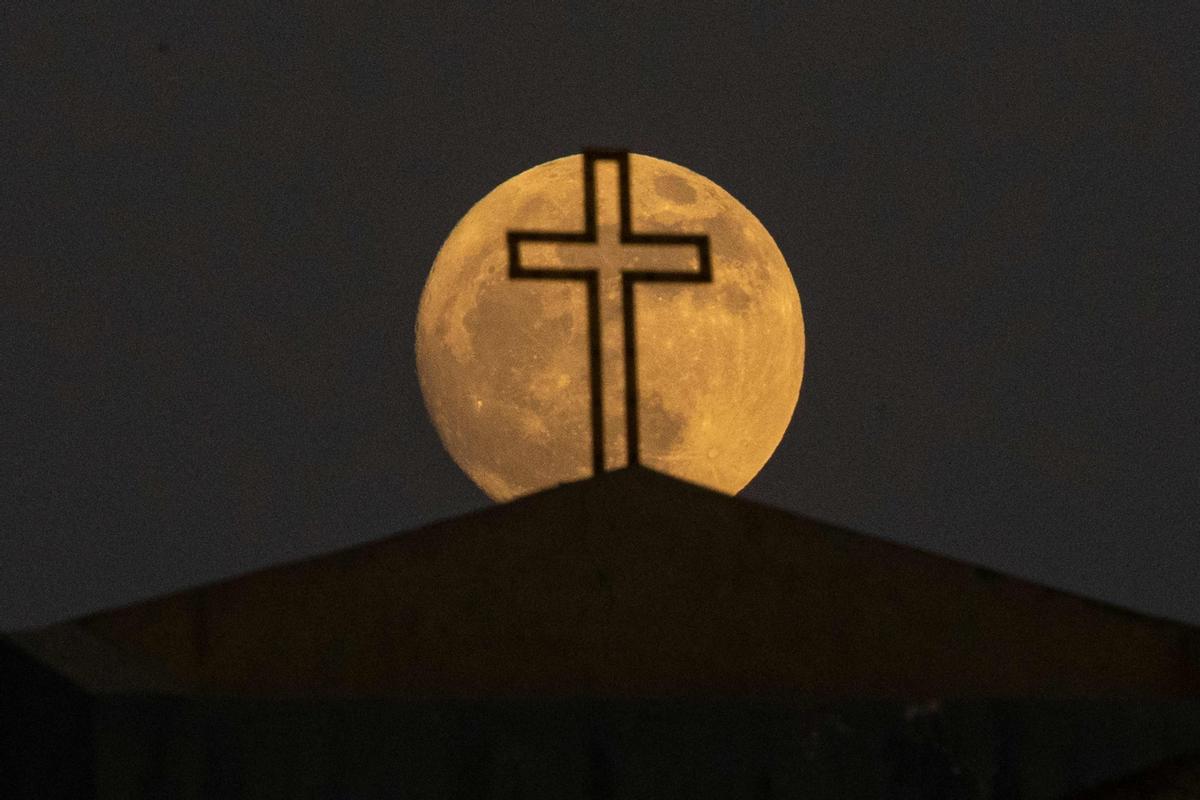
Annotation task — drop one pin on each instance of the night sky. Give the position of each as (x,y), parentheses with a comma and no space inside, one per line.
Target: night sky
(215,226)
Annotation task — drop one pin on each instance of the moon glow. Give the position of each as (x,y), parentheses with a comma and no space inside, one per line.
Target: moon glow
(503,364)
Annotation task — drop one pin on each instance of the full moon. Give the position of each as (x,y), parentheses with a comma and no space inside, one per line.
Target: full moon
(504,364)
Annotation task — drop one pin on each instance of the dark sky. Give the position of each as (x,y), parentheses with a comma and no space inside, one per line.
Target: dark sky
(215,226)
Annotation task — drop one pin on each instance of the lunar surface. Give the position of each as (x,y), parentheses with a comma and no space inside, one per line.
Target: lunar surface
(504,366)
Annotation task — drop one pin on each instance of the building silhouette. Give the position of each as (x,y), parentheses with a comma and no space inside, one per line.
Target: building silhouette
(630,635)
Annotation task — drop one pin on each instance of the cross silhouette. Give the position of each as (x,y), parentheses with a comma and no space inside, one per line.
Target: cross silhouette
(594,256)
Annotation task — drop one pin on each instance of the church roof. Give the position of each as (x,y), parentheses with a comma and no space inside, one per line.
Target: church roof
(637,584)
(1174,779)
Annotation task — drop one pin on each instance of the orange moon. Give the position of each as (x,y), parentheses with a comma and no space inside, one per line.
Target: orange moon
(503,364)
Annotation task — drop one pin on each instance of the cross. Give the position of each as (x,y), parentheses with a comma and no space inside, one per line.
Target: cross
(595,256)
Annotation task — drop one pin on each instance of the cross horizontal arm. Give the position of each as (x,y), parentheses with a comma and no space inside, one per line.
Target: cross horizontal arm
(702,275)
(516,269)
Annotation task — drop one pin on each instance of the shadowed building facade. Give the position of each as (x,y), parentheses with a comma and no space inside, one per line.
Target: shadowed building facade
(628,635)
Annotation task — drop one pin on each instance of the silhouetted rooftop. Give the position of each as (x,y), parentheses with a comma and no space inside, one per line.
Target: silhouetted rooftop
(1174,779)
(637,584)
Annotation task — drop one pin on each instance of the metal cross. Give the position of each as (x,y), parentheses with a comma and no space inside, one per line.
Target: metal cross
(592,256)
